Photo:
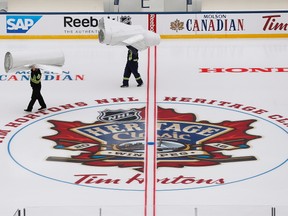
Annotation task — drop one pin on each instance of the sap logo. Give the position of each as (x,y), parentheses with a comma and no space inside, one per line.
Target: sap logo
(20,24)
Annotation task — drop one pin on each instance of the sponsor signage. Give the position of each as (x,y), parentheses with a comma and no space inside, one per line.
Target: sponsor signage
(60,25)
(20,24)
(167,25)
(46,76)
(241,24)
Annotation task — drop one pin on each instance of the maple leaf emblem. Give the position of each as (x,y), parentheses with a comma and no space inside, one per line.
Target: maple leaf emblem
(177,25)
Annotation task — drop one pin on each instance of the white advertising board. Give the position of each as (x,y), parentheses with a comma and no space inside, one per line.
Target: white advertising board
(168,25)
(60,25)
(225,24)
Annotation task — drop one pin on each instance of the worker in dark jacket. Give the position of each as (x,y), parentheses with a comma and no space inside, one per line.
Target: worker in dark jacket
(35,82)
(131,67)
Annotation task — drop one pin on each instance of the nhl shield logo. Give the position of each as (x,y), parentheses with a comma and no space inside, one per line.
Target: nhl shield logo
(119,115)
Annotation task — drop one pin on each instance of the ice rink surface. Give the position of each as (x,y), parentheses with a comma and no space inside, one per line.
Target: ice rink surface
(207,132)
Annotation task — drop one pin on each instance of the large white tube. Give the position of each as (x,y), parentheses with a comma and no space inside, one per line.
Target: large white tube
(115,33)
(17,59)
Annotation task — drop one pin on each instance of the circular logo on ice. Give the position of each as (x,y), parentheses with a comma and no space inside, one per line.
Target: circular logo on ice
(104,145)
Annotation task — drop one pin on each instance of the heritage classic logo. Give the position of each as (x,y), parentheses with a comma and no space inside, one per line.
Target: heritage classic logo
(199,143)
(117,139)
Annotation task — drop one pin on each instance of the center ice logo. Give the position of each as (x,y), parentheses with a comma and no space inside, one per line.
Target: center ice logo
(20,24)
(117,138)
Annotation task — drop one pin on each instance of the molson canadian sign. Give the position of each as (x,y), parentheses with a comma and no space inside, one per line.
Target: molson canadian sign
(240,24)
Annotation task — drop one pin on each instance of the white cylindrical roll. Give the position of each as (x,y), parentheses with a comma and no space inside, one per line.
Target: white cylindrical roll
(24,58)
(151,39)
(116,33)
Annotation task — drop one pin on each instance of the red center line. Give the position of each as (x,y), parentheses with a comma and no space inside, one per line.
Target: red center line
(146,137)
(151,138)
(150,161)
(155,131)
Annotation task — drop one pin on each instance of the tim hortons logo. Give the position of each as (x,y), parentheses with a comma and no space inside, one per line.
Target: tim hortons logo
(273,24)
(117,138)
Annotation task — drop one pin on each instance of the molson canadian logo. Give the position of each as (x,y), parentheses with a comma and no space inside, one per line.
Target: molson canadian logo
(211,23)
(117,138)
(46,76)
